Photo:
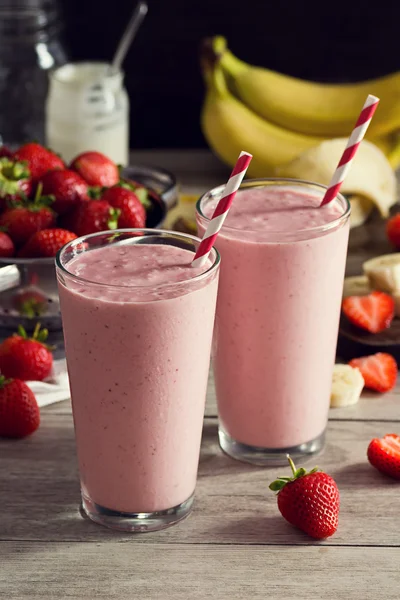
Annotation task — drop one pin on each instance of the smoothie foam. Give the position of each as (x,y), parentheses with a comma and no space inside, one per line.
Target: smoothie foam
(138,359)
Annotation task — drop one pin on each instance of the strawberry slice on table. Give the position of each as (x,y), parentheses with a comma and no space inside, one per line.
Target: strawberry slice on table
(373,312)
(309,501)
(66,187)
(378,370)
(38,159)
(96,169)
(19,410)
(133,213)
(26,358)
(46,243)
(384,454)
(91,217)
(28,217)
(393,230)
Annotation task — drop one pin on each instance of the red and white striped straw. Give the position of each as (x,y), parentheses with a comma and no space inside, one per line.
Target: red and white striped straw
(355,140)
(221,210)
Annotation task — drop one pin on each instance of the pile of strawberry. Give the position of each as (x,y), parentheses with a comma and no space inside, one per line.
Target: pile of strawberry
(44,203)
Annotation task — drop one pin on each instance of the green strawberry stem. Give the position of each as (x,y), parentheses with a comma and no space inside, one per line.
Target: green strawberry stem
(39,335)
(4,381)
(11,173)
(280,483)
(113,218)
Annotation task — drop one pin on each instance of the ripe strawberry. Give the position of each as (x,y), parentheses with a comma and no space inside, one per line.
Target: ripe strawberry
(133,213)
(309,501)
(39,159)
(46,243)
(393,230)
(96,168)
(374,312)
(378,370)
(19,411)
(27,218)
(7,248)
(92,216)
(67,187)
(30,302)
(384,454)
(15,182)
(26,358)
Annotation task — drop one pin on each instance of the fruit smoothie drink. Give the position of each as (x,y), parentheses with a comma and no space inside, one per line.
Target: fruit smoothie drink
(283,263)
(138,323)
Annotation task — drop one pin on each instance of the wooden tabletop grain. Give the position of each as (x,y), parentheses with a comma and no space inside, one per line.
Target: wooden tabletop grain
(235,545)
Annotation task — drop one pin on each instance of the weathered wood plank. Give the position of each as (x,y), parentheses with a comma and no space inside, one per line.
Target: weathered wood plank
(161,572)
(372,407)
(39,493)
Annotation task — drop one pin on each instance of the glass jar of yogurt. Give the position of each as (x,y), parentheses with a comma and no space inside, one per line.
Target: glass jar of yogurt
(87,108)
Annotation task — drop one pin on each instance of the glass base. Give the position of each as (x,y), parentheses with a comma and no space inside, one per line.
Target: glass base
(136,522)
(265,457)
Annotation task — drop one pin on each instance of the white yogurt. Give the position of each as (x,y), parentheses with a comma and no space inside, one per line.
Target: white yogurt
(87,108)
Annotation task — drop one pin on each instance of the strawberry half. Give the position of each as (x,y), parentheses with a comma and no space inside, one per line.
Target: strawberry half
(26,358)
(373,312)
(309,501)
(378,370)
(384,454)
(19,411)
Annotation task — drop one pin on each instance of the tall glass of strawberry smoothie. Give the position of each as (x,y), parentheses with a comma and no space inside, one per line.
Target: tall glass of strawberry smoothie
(138,322)
(283,263)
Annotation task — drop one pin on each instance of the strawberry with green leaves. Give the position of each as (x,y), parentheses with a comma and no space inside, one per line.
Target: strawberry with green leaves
(26,358)
(66,187)
(309,501)
(15,182)
(38,159)
(91,217)
(132,212)
(19,410)
(28,217)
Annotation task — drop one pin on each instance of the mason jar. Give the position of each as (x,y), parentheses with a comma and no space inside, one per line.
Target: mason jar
(30,46)
(88,109)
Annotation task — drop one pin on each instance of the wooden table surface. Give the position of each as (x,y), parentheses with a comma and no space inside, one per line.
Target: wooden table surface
(235,545)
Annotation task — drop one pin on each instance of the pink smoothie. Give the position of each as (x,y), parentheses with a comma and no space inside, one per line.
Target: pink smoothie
(138,359)
(277,314)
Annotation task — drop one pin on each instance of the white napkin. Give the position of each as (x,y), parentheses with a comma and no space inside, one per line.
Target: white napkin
(55,388)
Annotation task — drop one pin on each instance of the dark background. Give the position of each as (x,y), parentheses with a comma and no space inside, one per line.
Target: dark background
(324,41)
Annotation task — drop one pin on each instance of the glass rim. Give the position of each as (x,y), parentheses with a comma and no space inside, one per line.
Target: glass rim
(146,231)
(109,73)
(265,181)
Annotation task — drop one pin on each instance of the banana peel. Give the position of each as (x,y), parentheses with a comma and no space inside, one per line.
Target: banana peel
(371,179)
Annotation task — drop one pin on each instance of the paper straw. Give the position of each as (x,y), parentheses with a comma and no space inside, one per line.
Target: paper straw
(355,140)
(221,210)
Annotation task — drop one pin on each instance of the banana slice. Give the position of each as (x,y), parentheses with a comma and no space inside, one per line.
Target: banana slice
(356,286)
(347,385)
(383,272)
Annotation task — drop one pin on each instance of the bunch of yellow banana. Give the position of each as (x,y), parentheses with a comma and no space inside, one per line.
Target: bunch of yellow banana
(277,116)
